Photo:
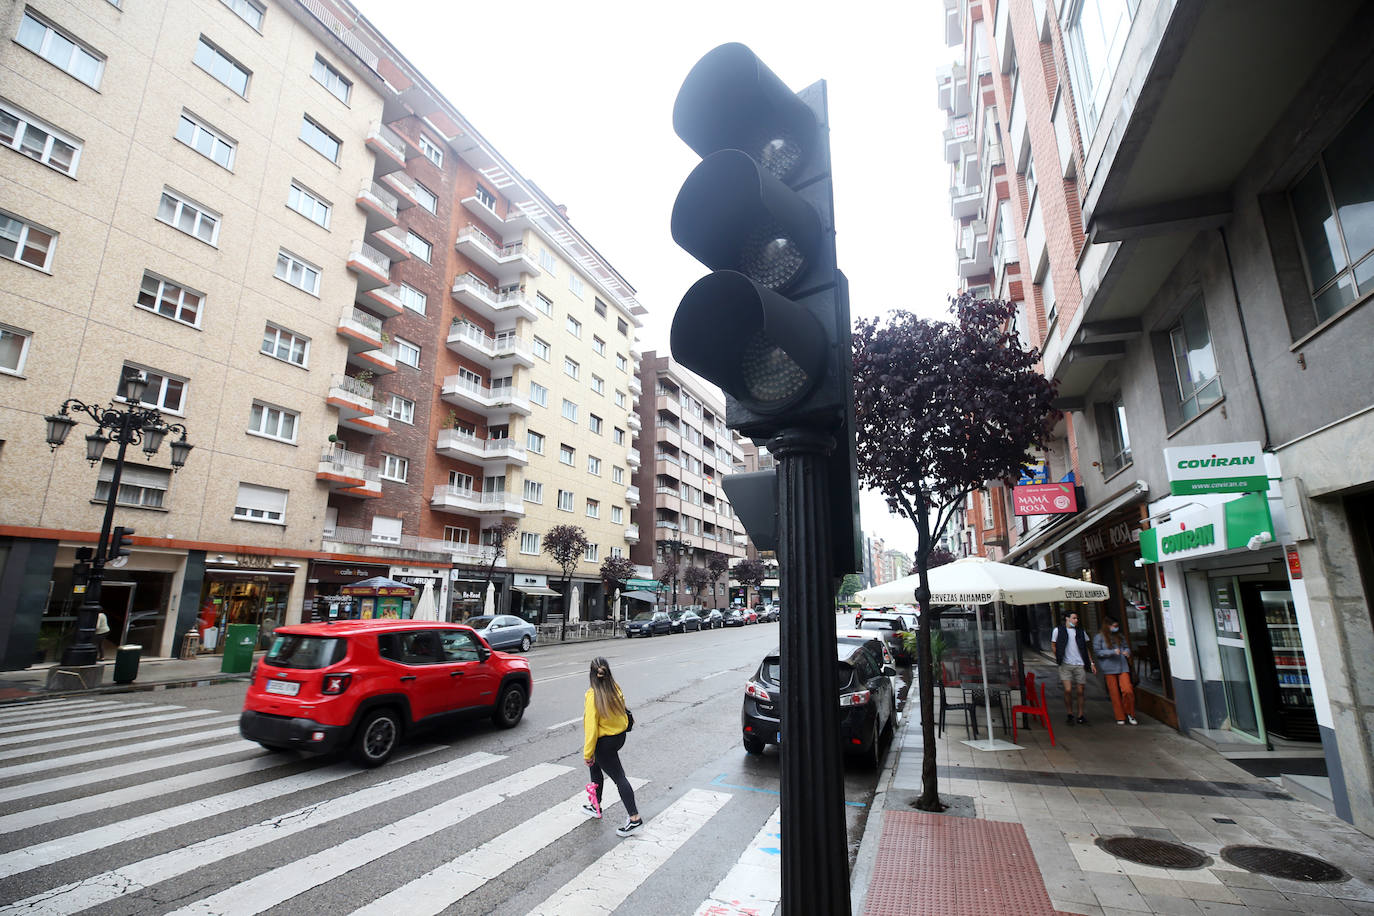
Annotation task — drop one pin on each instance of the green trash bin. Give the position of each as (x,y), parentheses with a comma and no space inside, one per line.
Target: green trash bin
(126,663)
(239,642)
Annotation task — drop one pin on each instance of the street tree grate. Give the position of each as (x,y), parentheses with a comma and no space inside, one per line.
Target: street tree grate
(1282,863)
(1158,853)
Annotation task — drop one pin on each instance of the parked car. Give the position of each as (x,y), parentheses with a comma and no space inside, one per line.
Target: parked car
(734,617)
(867,698)
(769,613)
(366,684)
(649,623)
(711,619)
(505,631)
(865,638)
(684,620)
(751,615)
(892,628)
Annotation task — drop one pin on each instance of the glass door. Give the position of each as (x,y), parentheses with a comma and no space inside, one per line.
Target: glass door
(1237,670)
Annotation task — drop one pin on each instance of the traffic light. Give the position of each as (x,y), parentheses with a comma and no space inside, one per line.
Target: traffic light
(121,543)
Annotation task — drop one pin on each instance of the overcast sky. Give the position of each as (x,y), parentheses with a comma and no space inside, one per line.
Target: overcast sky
(579,98)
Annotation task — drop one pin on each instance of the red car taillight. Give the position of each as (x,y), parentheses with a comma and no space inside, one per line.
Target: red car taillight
(757,692)
(335,683)
(857,698)
(253,673)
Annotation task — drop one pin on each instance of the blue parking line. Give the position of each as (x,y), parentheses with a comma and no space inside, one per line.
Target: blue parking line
(719,781)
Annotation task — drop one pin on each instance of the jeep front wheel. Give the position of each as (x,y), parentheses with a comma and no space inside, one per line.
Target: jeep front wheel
(510,707)
(376,739)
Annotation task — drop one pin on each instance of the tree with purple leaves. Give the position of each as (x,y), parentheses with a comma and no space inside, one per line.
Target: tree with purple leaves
(567,544)
(942,407)
(750,572)
(717,566)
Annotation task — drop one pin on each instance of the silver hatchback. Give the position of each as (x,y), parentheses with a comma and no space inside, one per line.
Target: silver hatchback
(505,631)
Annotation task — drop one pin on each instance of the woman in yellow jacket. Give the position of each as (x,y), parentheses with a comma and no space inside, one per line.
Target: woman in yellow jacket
(604,722)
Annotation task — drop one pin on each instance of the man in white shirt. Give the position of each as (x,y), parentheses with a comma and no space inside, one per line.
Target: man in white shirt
(1075,660)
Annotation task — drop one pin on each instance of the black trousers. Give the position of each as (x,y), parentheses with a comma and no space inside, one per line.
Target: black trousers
(607,763)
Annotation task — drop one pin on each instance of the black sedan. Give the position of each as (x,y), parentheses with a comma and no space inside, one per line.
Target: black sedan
(867,698)
(734,617)
(683,620)
(649,623)
(711,619)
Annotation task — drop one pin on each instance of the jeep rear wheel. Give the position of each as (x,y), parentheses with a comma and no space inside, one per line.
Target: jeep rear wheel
(510,707)
(376,739)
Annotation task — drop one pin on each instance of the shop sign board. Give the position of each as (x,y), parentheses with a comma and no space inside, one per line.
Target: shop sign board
(1214,529)
(1230,467)
(531,580)
(642,585)
(1044,499)
(1036,472)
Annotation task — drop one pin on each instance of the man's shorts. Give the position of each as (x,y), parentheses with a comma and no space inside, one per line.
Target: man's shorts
(1072,674)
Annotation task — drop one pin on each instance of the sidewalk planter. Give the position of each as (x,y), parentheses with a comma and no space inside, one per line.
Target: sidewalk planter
(239,642)
(126,664)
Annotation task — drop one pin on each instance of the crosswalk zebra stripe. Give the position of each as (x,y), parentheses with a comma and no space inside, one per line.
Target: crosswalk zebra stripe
(754,885)
(91,726)
(446,885)
(271,888)
(604,885)
(56,708)
(85,778)
(98,715)
(53,747)
(134,877)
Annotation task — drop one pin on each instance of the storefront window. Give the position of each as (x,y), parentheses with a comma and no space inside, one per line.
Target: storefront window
(1149,650)
(254,598)
(135,606)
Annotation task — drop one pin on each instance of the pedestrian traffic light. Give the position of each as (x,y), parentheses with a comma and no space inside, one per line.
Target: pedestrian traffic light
(121,543)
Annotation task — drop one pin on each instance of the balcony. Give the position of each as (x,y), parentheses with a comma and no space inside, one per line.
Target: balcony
(388,146)
(975,258)
(636,387)
(958,139)
(362,540)
(392,243)
(464,446)
(357,410)
(952,90)
(361,330)
(503,350)
(515,222)
(506,262)
(632,534)
(632,496)
(378,204)
(404,187)
(383,298)
(372,267)
(632,421)
(965,200)
(466,501)
(490,402)
(632,459)
(348,474)
(505,305)
(459,551)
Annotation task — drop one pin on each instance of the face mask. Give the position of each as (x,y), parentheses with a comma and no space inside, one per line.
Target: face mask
(1115,629)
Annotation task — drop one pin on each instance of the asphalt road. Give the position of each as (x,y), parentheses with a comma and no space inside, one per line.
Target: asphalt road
(202,821)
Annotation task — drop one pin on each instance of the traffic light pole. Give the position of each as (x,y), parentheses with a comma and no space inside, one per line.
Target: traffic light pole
(815,852)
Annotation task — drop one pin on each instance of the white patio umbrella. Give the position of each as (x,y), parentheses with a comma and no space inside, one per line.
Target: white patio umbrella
(425,608)
(489,606)
(574,605)
(615,606)
(978,580)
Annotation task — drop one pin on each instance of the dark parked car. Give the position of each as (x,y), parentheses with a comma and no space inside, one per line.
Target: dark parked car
(867,698)
(711,619)
(769,613)
(684,620)
(505,631)
(892,630)
(734,617)
(649,623)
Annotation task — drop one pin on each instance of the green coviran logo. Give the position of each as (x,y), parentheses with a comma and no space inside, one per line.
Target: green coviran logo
(1187,540)
(1215,462)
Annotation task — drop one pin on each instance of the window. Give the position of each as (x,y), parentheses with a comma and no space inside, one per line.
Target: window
(565,500)
(617,474)
(260,504)
(298,273)
(569,410)
(38,140)
(539,394)
(60,50)
(534,442)
(599,346)
(272,422)
(593,508)
(25,243)
(571,368)
(487,198)
(250,11)
(386,530)
(1114,442)
(529,542)
(206,140)
(621,363)
(567,455)
(170,300)
(592,551)
(395,468)
(547,263)
(618,436)
(413,299)
(140,486)
(308,205)
(598,385)
(14,349)
(593,465)
(432,151)
(164,392)
(617,515)
(574,326)
(399,408)
(1195,367)
(222,67)
(459,481)
(1332,206)
(544,304)
(534,492)
(1096,37)
(594,423)
(454,535)
(427,198)
(338,85)
(575,284)
(541,348)
(188,216)
(600,308)
(320,140)
(619,398)
(279,343)
(418,247)
(407,352)
(622,326)
(617,551)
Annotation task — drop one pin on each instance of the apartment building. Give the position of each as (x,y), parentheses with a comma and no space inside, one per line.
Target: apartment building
(687,451)
(1183,230)
(381,338)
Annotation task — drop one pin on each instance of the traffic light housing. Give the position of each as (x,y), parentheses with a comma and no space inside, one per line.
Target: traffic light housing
(121,543)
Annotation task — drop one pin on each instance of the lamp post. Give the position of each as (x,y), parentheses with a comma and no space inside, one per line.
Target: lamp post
(125,424)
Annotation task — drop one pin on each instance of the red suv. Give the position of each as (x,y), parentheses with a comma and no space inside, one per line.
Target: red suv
(363,684)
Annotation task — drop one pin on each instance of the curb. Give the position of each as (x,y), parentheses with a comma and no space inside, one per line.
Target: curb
(39,693)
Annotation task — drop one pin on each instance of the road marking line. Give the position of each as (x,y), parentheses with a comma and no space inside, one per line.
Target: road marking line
(720,781)
(51,710)
(561,724)
(446,885)
(122,736)
(89,728)
(136,876)
(718,673)
(58,783)
(754,884)
(604,885)
(279,885)
(99,716)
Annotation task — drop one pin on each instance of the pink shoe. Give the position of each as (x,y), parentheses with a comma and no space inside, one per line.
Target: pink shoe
(594,806)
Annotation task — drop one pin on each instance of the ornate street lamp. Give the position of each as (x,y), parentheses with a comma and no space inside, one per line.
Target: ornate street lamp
(127,424)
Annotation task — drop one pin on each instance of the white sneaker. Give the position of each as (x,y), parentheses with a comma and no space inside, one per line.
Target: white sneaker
(629,828)
(1120,721)
(591,812)
(1131,719)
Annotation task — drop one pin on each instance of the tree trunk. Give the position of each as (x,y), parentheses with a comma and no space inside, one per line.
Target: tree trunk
(567,602)
(930,789)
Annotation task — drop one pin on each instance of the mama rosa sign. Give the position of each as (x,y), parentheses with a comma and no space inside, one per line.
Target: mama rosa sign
(1231,467)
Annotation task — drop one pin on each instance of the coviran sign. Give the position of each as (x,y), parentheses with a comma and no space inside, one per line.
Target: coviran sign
(1230,467)
(1208,530)
(1205,536)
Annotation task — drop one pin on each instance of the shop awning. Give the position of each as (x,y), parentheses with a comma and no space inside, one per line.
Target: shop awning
(641,596)
(1052,538)
(535,590)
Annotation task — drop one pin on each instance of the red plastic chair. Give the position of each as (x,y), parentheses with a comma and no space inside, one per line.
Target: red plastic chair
(1041,712)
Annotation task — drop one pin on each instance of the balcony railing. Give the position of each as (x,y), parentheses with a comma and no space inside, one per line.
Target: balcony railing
(384,197)
(499,345)
(353,386)
(352,464)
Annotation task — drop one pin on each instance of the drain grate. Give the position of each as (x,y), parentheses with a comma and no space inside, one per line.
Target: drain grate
(1159,853)
(1282,863)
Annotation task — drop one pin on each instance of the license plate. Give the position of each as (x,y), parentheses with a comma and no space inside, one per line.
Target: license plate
(285,688)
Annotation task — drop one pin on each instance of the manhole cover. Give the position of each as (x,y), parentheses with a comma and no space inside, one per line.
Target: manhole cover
(1159,853)
(1282,863)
